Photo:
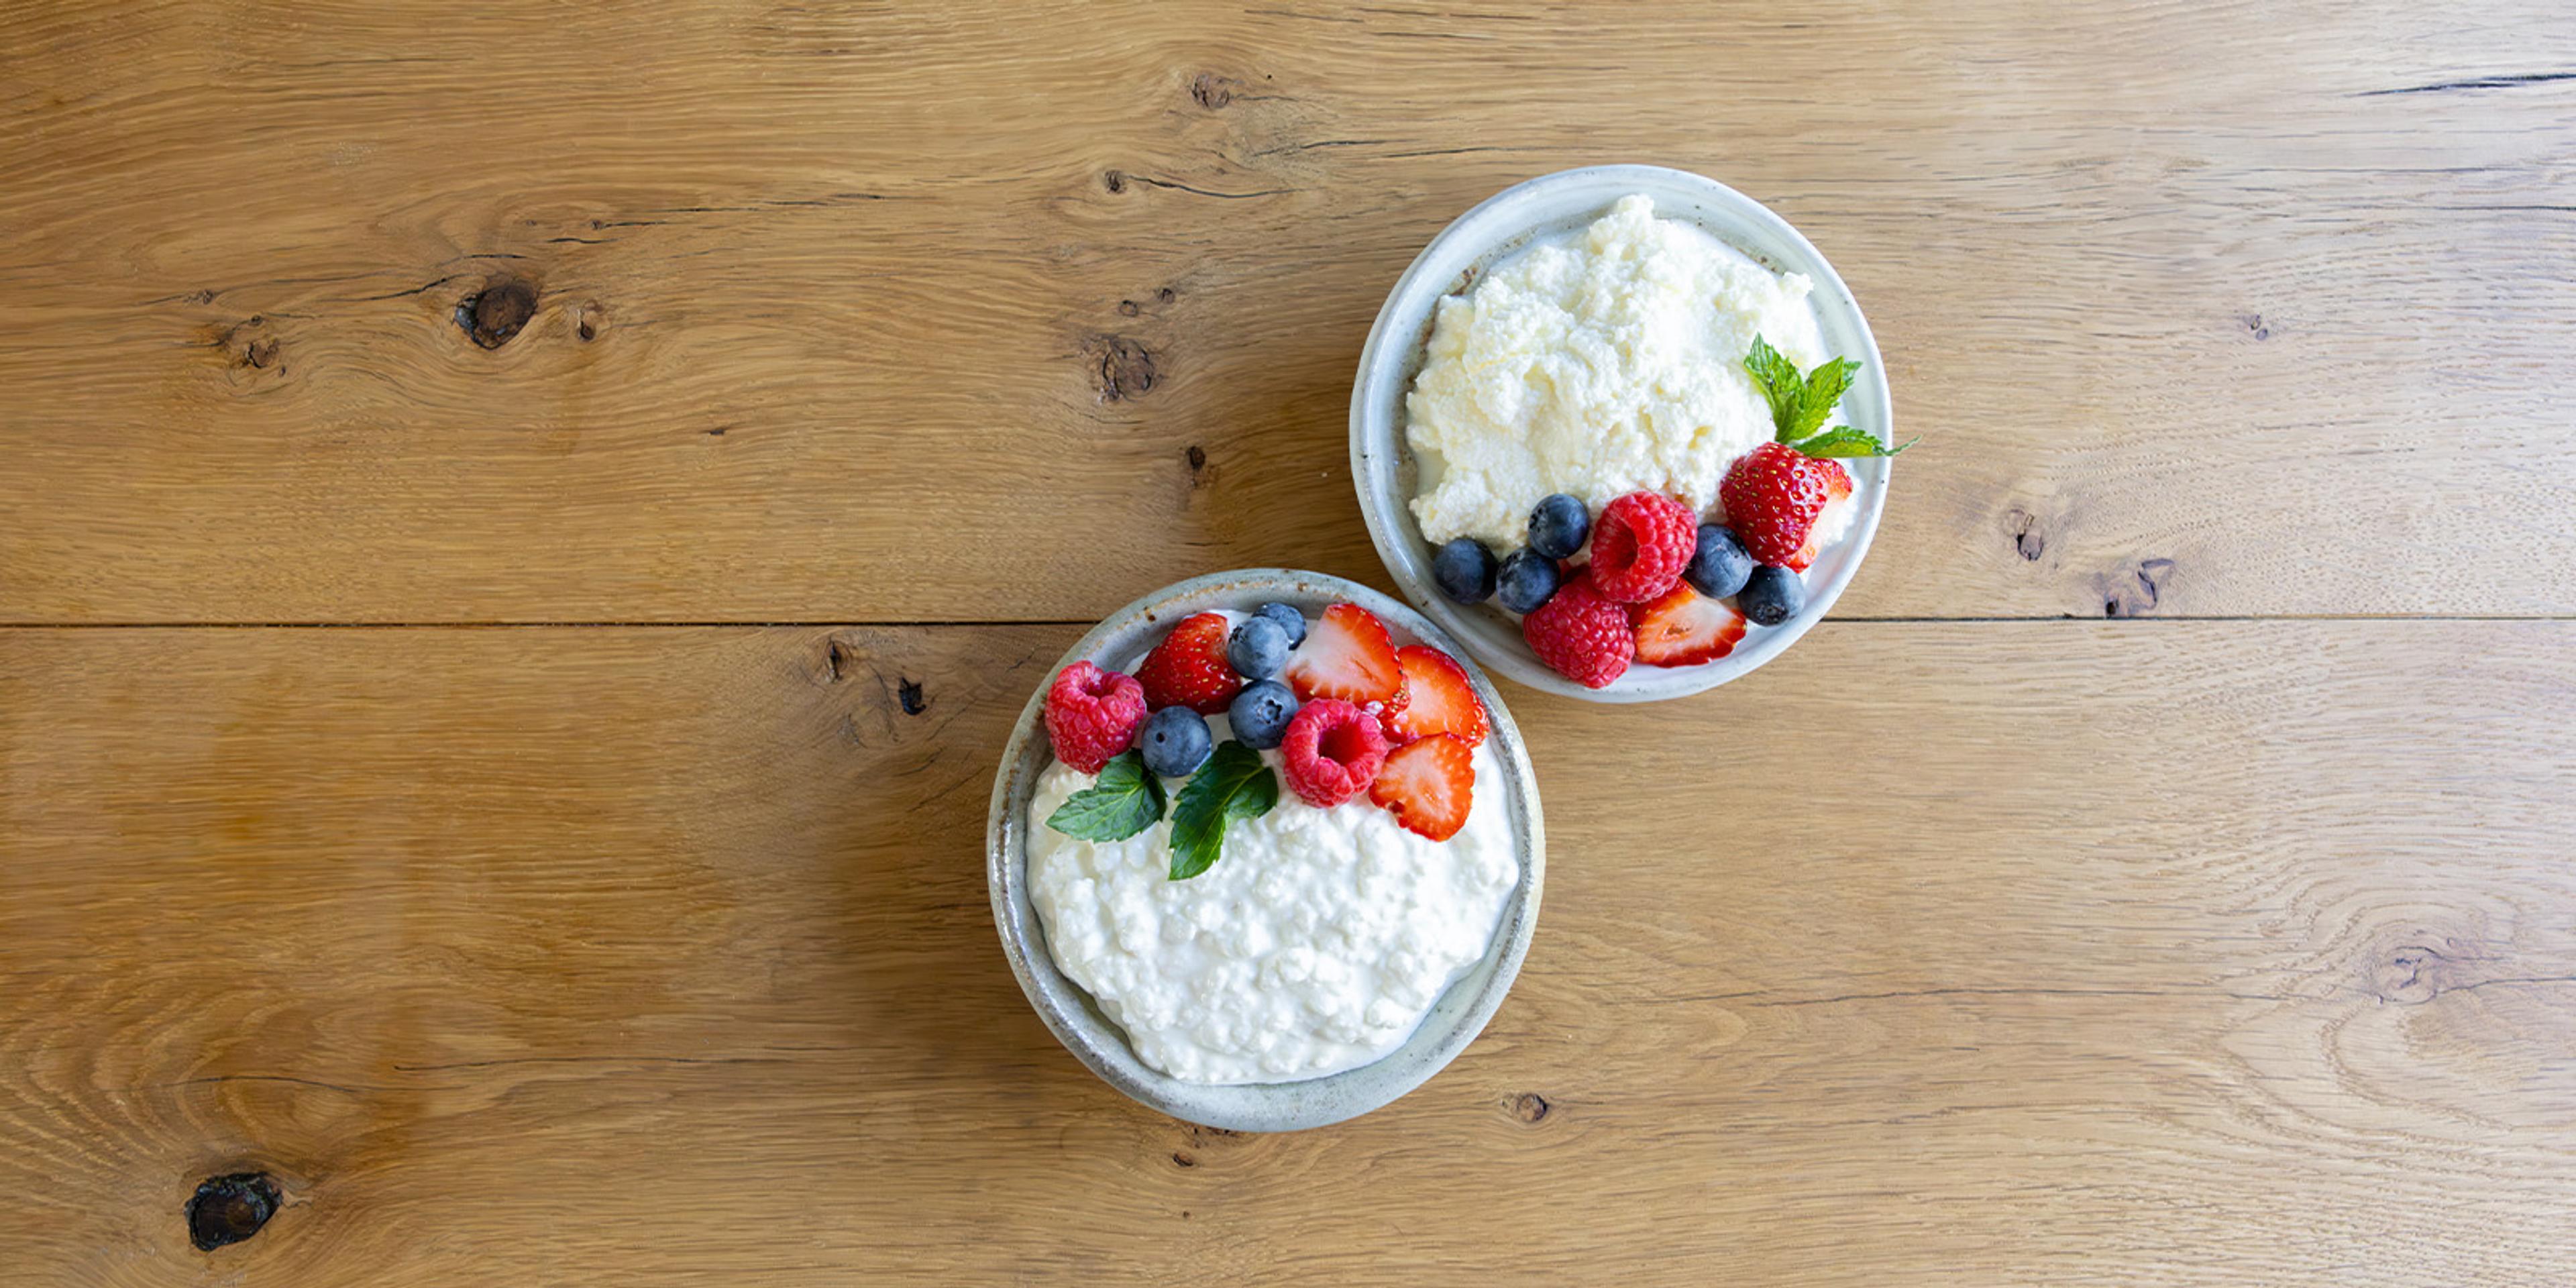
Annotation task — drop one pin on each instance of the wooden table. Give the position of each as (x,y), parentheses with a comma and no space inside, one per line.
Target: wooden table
(522,535)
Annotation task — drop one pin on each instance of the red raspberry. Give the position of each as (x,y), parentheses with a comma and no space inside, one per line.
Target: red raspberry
(1640,545)
(1188,669)
(1772,496)
(1092,715)
(1333,752)
(1580,635)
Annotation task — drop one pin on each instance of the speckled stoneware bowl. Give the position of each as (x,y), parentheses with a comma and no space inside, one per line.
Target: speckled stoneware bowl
(1454,1020)
(1383,468)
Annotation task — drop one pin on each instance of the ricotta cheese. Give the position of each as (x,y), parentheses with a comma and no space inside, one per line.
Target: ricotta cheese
(1316,943)
(1602,363)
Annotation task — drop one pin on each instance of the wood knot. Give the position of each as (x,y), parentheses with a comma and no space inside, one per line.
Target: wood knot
(1529,1107)
(1198,458)
(2023,527)
(2255,326)
(1113,181)
(2139,592)
(1212,91)
(907,694)
(229,1209)
(1183,1158)
(498,311)
(1121,369)
(586,320)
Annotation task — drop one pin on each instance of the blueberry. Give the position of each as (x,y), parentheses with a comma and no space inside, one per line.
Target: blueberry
(1772,595)
(1558,526)
(1257,649)
(1289,619)
(1464,568)
(1527,580)
(1175,741)
(1719,567)
(1260,714)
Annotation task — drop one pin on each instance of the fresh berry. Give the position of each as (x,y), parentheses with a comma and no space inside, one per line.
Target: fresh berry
(1685,628)
(1719,566)
(1428,786)
(1557,527)
(1838,489)
(1175,741)
(1348,656)
(1332,752)
(1580,635)
(1260,714)
(1526,580)
(1188,669)
(1773,495)
(1257,649)
(1092,715)
(1289,619)
(1464,570)
(1438,699)
(1641,545)
(1773,595)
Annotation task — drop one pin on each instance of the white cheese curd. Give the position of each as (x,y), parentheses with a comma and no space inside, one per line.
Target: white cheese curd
(1605,362)
(1316,944)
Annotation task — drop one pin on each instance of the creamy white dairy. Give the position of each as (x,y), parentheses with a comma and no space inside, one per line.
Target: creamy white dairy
(1316,944)
(1603,363)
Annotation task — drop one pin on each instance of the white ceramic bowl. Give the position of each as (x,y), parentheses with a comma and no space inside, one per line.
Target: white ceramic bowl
(1454,1020)
(1382,465)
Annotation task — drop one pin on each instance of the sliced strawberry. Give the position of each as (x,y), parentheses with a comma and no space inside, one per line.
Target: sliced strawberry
(1428,785)
(1347,656)
(1838,490)
(1188,669)
(1686,628)
(1438,699)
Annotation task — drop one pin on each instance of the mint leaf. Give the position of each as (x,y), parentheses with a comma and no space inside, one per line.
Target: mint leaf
(1777,378)
(1234,783)
(1123,801)
(1824,388)
(1843,440)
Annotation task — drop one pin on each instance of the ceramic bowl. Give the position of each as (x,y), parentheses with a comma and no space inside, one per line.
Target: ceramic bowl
(1453,1021)
(1383,468)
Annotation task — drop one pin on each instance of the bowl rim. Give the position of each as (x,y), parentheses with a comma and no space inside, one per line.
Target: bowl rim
(1385,357)
(1067,1009)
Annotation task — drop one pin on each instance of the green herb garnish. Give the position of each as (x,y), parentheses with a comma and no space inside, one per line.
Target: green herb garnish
(1234,783)
(1123,801)
(1800,404)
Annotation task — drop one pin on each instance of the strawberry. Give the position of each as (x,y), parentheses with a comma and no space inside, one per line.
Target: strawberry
(1347,656)
(1428,785)
(1580,635)
(1188,669)
(1640,545)
(1838,488)
(1772,496)
(1685,628)
(1439,700)
(1333,751)
(1092,715)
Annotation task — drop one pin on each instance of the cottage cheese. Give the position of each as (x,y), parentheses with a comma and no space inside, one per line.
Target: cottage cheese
(1316,944)
(1604,363)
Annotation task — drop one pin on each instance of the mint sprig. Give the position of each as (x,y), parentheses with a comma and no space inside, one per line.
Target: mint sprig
(1233,784)
(1800,404)
(1123,801)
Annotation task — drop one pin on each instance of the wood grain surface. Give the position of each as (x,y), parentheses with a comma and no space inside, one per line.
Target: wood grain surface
(523,530)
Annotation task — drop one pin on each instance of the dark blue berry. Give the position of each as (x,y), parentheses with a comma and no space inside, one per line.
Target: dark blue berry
(1257,649)
(1719,567)
(1526,581)
(1464,568)
(1175,741)
(1558,526)
(1260,714)
(1772,595)
(1289,619)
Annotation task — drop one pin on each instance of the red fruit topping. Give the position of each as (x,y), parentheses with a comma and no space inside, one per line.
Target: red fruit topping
(1428,786)
(1347,656)
(1439,700)
(1772,496)
(1188,669)
(1640,545)
(1580,635)
(1332,752)
(1837,494)
(1685,628)
(1092,715)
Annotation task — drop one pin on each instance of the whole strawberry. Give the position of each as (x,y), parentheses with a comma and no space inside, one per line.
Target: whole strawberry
(1580,635)
(1189,668)
(1092,715)
(1773,495)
